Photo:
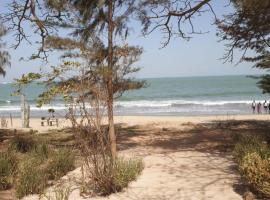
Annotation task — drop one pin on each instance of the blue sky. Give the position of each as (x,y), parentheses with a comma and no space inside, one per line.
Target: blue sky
(197,57)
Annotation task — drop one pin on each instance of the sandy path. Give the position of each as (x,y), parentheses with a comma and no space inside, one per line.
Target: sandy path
(183,175)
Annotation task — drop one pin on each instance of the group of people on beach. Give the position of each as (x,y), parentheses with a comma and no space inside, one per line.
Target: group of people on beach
(258,107)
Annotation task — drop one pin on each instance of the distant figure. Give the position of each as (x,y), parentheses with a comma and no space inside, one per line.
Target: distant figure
(259,107)
(253,105)
(265,106)
(269,107)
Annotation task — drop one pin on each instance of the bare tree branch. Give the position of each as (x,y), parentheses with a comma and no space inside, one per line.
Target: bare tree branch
(170,17)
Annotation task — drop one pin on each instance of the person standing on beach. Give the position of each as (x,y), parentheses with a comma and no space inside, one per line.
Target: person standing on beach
(253,105)
(259,108)
(265,106)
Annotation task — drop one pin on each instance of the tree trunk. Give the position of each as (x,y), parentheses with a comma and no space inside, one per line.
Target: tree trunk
(110,81)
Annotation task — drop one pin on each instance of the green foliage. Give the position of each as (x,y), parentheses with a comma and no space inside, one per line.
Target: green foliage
(24,81)
(42,151)
(117,175)
(4,55)
(23,143)
(51,110)
(60,162)
(28,78)
(250,144)
(31,180)
(8,167)
(247,29)
(44,165)
(256,171)
(126,171)
(253,157)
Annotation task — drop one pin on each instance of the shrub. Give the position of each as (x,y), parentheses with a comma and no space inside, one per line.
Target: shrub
(249,144)
(31,180)
(253,157)
(126,171)
(256,171)
(113,178)
(60,162)
(23,143)
(42,151)
(8,166)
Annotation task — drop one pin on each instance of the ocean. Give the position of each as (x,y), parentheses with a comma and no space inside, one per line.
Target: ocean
(184,96)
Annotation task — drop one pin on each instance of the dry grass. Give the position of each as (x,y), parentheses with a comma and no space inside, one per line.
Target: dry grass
(38,159)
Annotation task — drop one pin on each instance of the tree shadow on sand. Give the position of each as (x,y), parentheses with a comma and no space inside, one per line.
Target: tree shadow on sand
(214,139)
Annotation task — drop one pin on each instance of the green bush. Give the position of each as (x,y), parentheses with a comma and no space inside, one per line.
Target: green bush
(60,162)
(125,171)
(249,144)
(253,157)
(23,143)
(31,180)
(42,151)
(256,171)
(8,166)
(113,178)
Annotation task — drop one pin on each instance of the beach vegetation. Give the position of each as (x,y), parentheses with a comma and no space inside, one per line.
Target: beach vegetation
(29,168)
(125,171)
(32,179)
(60,162)
(8,168)
(34,174)
(23,143)
(113,176)
(250,144)
(253,157)
(256,171)
(42,151)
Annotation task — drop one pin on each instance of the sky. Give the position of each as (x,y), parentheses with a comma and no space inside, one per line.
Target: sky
(198,57)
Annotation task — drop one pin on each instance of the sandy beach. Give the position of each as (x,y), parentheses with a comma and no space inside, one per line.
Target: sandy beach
(153,115)
(184,157)
(162,121)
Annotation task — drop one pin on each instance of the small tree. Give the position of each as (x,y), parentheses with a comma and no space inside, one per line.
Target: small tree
(83,88)
(106,20)
(85,19)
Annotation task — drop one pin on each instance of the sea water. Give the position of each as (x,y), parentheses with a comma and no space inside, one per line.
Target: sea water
(216,95)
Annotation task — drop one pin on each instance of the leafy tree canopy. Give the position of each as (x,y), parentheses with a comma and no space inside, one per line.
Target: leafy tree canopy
(248,28)
(4,55)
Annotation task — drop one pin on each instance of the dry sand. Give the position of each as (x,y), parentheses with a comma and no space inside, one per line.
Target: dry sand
(162,121)
(185,157)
